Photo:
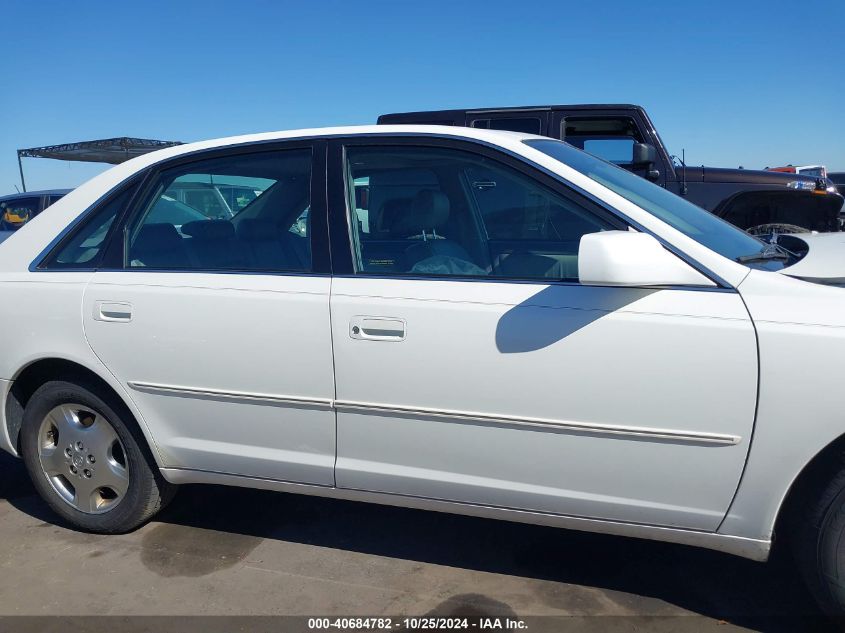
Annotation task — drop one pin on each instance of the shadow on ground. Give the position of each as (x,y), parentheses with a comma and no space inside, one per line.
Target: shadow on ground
(765,597)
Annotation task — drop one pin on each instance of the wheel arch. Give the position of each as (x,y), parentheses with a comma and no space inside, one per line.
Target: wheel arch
(41,370)
(809,482)
(747,208)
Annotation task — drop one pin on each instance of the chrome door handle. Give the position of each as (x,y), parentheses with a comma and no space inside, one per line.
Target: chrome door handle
(374,328)
(113,311)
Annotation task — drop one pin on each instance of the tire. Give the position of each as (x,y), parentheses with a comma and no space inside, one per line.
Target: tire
(88,460)
(817,538)
(776,228)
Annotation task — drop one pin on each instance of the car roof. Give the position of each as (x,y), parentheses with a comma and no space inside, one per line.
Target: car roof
(350,130)
(41,192)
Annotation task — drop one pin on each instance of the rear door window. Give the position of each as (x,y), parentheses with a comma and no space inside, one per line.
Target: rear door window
(235,213)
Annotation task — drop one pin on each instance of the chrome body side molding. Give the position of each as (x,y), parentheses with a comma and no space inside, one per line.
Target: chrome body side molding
(563,426)
(148,387)
(547,424)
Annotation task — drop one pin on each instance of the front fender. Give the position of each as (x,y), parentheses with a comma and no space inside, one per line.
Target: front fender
(801,336)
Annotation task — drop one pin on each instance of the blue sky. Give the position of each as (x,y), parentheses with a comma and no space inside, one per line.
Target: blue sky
(734,83)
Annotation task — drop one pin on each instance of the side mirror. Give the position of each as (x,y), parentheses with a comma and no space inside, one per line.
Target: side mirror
(626,258)
(643,154)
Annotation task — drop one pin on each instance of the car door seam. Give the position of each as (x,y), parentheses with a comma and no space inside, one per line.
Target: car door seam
(753,422)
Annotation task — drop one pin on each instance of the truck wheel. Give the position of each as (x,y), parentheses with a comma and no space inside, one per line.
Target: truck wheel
(780,229)
(87,459)
(818,540)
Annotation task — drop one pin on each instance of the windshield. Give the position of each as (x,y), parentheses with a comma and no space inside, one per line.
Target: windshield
(702,226)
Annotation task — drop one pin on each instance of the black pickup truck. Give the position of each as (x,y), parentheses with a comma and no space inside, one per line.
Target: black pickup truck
(762,202)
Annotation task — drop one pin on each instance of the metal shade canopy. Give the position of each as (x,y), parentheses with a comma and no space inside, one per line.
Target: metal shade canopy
(109,150)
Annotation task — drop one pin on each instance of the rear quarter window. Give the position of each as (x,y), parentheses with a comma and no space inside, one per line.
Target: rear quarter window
(83,247)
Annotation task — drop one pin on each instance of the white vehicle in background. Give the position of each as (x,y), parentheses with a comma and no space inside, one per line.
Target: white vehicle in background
(817,171)
(500,325)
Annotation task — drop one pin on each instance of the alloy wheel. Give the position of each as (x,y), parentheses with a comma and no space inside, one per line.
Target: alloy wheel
(83,458)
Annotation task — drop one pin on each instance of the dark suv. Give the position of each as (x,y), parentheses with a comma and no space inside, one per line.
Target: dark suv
(762,202)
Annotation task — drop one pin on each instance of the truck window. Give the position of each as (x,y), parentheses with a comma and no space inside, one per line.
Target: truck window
(610,138)
(527,125)
(616,150)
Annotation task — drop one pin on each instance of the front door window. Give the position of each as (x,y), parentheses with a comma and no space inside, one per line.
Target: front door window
(427,211)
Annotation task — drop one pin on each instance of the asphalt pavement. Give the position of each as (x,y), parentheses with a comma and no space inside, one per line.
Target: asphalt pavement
(232,551)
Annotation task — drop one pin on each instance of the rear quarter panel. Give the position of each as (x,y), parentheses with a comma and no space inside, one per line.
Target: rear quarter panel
(41,313)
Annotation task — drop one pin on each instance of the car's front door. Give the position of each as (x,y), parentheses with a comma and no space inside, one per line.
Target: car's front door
(218,323)
(472,366)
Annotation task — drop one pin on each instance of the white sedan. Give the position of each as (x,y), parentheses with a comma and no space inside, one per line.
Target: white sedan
(518,330)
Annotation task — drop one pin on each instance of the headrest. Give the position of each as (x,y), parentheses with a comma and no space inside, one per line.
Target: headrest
(209,229)
(429,210)
(157,237)
(256,229)
(390,210)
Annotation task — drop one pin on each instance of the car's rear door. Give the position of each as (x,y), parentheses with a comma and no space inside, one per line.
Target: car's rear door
(219,328)
(478,370)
